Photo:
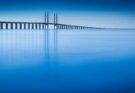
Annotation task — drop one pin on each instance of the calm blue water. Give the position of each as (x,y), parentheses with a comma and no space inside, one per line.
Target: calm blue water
(67,61)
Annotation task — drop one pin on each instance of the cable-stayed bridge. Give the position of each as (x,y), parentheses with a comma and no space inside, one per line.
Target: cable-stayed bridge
(40,25)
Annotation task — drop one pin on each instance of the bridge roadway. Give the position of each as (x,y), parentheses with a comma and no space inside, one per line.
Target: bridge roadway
(38,25)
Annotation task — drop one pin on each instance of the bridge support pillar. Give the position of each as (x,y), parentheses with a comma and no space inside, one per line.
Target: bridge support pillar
(28,25)
(39,26)
(20,25)
(16,25)
(60,26)
(32,26)
(57,26)
(11,25)
(42,26)
(24,25)
(36,26)
(1,25)
(47,26)
(6,25)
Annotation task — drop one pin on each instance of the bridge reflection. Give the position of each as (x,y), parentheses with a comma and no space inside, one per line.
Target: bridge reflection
(51,45)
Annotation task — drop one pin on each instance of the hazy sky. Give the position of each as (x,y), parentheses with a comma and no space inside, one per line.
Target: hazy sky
(97,13)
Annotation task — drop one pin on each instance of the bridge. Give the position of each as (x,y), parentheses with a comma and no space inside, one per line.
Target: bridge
(39,25)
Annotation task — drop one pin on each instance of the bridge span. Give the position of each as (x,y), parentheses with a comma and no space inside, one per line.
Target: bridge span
(39,25)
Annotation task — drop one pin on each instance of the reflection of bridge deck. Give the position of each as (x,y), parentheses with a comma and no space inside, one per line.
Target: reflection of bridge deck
(39,25)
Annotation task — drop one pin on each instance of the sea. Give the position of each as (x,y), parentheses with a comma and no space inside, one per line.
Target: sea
(67,61)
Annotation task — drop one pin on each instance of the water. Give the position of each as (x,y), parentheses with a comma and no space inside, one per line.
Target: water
(67,61)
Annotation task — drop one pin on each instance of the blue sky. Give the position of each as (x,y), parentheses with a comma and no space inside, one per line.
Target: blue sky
(97,13)
(69,4)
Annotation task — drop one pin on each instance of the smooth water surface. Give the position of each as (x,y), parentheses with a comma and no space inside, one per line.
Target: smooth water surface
(67,61)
